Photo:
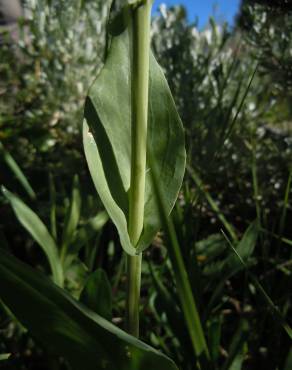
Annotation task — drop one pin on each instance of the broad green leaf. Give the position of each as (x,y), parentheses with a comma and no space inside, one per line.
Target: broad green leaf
(34,225)
(97,294)
(9,160)
(107,140)
(72,216)
(64,326)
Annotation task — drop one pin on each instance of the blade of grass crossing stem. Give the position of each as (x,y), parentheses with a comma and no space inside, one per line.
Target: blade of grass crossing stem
(212,203)
(276,312)
(189,307)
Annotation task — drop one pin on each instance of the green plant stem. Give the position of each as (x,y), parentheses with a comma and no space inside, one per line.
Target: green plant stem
(184,290)
(133,293)
(140,87)
(141,15)
(186,297)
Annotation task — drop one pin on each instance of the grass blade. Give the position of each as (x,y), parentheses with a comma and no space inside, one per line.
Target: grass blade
(235,355)
(11,163)
(212,203)
(276,312)
(39,232)
(184,289)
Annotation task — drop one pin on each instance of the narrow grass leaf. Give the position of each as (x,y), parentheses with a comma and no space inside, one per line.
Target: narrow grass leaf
(39,232)
(15,169)
(195,177)
(166,304)
(236,349)
(231,127)
(214,337)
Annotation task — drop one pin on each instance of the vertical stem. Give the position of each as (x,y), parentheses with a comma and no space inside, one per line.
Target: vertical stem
(140,87)
(141,15)
(184,289)
(133,293)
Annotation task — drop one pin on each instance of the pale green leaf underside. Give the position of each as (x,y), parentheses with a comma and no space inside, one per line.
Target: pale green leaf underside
(67,328)
(107,141)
